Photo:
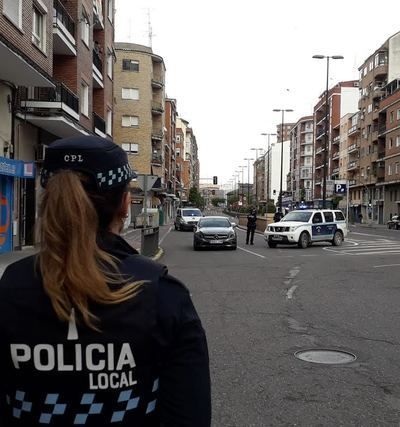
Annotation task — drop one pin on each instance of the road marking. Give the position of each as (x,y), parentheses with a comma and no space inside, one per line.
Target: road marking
(290,292)
(165,235)
(365,234)
(387,265)
(250,252)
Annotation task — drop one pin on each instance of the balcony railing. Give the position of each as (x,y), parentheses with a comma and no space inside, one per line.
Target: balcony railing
(352,182)
(97,62)
(98,123)
(44,98)
(353,129)
(336,140)
(156,158)
(335,170)
(352,165)
(157,107)
(60,14)
(352,148)
(381,129)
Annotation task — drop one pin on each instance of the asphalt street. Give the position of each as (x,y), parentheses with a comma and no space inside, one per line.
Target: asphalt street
(259,306)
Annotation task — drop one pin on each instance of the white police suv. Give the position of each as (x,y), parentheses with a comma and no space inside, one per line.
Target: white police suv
(303,227)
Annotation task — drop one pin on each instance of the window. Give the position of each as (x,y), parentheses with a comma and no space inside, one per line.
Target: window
(130,65)
(369,108)
(317,219)
(397,168)
(398,114)
(130,121)
(130,93)
(110,10)
(84,99)
(391,117)
(390,143)
(85,29)
(109,122)
(13,10)
(110,64)
(39,29)
(339,216)
(130,148)
(397,141)
(365,71)
(389,169)
(328,216)
(371,65)
(178,152)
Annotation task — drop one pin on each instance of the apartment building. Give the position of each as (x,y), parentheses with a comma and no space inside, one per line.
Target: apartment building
(170,178)
(139,113)
(189,162)
(56,81)
(273,165)
(286,128)
(342,99)
(259,180)
(301,159)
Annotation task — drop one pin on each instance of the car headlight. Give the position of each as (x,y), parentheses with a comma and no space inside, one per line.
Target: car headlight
(268,228)
(294,228)
(231,235)
(200,234)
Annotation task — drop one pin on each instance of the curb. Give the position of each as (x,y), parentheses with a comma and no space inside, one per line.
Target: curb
(159,254)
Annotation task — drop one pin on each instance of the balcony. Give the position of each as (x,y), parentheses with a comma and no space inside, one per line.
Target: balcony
(320,133)
(381,69)
(335,171)
(54,109)
(378,92)
(157,82)
(352,165)
(64,42)
(352,182)
(157,135)
(156,159)
(157,107)
(352,148)
(381,130)
(98,17)
(97,71)
(336,140)
(17,69)
(99,125)
(319,150)
(335,156)
(353,130)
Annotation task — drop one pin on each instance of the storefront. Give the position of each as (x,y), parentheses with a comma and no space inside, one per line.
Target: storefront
(9,171)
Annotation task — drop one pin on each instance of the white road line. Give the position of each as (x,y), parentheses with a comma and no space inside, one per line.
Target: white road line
(165,235)
(387,265)
(290,292)
(372,248)
(365,234)
(352,242)
(250,252)
(378,253)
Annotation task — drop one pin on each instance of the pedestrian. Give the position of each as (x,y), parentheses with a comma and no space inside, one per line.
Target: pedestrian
(91,332)
(251,226)
(360,217)
(278,215)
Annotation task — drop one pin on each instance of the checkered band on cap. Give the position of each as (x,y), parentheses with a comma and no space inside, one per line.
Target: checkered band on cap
(104,180)
(114,177)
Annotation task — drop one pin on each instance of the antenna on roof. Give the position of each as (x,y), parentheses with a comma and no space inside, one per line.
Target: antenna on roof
(150,29)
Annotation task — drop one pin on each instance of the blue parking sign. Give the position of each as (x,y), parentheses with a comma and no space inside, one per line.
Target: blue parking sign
(340,188)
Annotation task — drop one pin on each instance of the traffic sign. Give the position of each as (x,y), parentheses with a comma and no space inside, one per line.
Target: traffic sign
(151,179)
(340,188)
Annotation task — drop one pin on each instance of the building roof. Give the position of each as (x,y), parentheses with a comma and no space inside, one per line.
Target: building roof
(134,47)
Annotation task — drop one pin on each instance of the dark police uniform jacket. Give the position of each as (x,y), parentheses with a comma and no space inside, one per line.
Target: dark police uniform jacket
(147,367)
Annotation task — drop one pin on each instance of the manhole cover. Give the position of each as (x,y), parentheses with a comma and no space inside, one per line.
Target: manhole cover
(326,356)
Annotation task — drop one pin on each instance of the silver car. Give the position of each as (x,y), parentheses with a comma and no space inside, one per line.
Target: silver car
(214,232)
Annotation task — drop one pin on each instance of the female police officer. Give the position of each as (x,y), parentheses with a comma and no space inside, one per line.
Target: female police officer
(91,333)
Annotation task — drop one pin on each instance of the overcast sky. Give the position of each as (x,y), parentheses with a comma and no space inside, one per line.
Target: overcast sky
(230,62)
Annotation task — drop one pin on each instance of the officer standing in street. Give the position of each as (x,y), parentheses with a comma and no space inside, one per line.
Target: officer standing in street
(251,226)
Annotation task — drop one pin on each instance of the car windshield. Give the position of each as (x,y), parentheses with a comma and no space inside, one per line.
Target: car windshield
(214,222)
(297,216)
(191,212)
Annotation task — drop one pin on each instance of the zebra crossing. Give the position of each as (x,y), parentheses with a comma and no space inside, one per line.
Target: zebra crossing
(375,247)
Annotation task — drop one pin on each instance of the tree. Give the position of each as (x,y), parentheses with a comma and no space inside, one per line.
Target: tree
(217,200)
(195,198)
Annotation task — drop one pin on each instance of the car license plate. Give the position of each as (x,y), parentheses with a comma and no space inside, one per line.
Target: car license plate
(276,237)
(216,242)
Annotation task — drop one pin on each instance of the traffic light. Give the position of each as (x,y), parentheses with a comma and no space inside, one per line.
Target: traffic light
(215,180)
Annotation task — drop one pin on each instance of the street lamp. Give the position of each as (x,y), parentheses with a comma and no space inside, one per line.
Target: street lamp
(283,111)
(326,139)
(242,170)
(268,154)
(248,179)
(256,170)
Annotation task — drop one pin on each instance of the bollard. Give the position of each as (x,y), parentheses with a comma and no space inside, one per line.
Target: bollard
(149,241)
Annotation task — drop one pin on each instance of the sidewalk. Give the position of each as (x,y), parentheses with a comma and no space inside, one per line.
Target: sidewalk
(132,236)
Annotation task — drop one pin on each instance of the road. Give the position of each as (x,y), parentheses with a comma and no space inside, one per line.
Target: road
(259,306)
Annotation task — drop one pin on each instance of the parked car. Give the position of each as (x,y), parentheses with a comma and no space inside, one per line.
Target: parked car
(394,222)
(187,218)
(303,227)
(215,231)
